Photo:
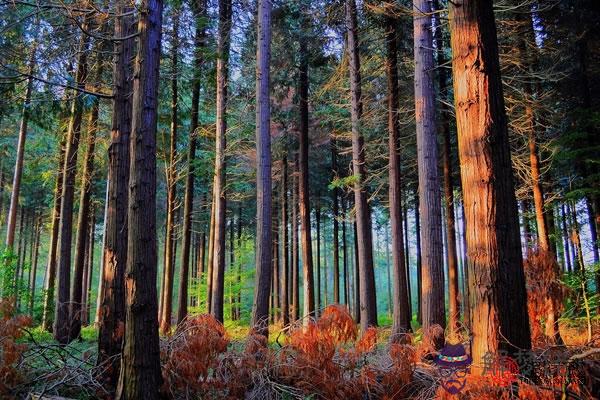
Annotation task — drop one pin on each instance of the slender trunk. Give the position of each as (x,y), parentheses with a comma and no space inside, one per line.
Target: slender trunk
(61,312)
(140,375)
(303,191)
(345,254)
(200,13)
(432,268)
(419,269)
(223,45)
(211,243)
(276,293)
(99,295)
(83,220)
(593,233)
(239,269)
(357,282)
(401,316)
(285,307)
(407,256)
(318,270)
(368,302)
(18,171)
(295,259)
(335,211)
(576,238)
(87,283)
(53,245)
(499,318)
(34,263)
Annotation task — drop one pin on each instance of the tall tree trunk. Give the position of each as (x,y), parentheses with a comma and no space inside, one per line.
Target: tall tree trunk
(83,221)
(368,302)
(199,8)
(111,310)
(407,255)
(335,211)
(239,268)
(401,316)
(169,268)
(419,262)
(89,271)
(432,268)
(275,277)
(211,253)
(498,303)
(285,307)
(223,45)
(99,297)
(140,375)
(61,312)
(53,244)
(357,281)
(295,256)
(260,311)
(2,184)
(303,191)
(445,115)
(18,171)
(345,254)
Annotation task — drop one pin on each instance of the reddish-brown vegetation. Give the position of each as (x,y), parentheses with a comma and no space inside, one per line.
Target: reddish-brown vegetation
(10,350)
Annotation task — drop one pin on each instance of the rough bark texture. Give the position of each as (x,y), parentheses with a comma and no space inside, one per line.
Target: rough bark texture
(318,266)
(400,300)
(295,303)
(111,299)
(497,297)
(260,311)
(140,375)
(432,251)
(223,45)
(303,191)
(368,303)
(61,312)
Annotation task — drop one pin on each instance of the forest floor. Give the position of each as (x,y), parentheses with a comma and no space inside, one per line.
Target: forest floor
(204,360)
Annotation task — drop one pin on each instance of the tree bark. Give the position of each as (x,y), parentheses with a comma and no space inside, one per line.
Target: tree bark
(34,264)
(140,375)
(336,228)
(498,301)
(368,302)
(432,268)
(188,203)
(345,254)
(400,300)
(223,45)
(111,299)
(318,270)
(260,311)
(211,253)
(18,171)
(419,262)
(61,312)
(169,268)
(295,256)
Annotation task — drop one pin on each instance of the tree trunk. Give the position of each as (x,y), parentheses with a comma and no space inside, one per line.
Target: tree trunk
(498,302)
(295,257)
(419,262)
(140,375)
(111,310)
(356,275)
(345,254)
(401,315)
(53,245)
(335,211)
(211,253)
(83,220)
(61,312)
(223,45)
(18,171)
(368,302)
(303,191)
(99,297)
(318,270)
(169,268)
(260,311)
(275,277)
(285,307)
(432,268)
(188,203)
(34,264)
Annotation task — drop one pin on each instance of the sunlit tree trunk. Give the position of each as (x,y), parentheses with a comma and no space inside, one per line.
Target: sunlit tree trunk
(368,303)
(223,45)
(499,317)
(260,311)
(34,263)
(335,211)
(140,375)
(432,268)
(285,265)
(111,297)
(318,304)
(18,171)
(61,312)
(295,304)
